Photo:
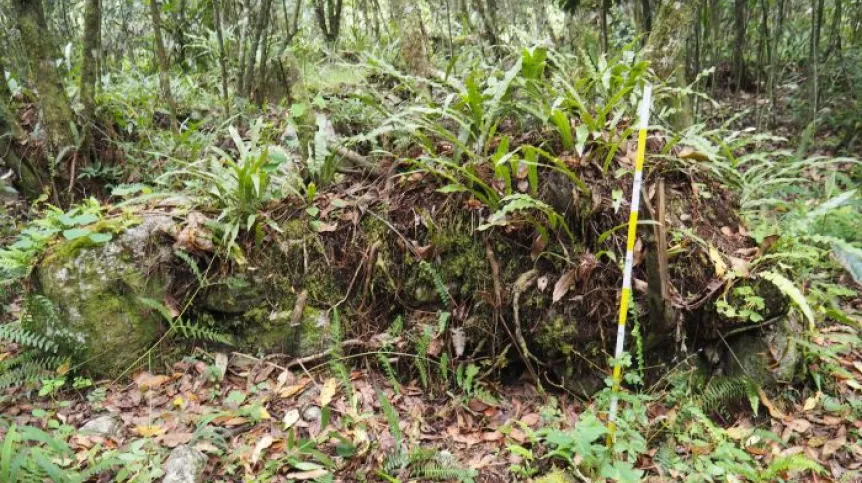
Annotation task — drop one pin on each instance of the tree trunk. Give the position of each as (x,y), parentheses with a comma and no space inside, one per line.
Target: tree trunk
(328,14)
(664,50)
(604,24)
(739,28)
(835,30)
(56,111)
(222,56)
(257,35)
(164,65)
(90,67)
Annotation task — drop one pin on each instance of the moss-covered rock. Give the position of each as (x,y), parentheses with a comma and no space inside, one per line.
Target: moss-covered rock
(768,358)
(96,292)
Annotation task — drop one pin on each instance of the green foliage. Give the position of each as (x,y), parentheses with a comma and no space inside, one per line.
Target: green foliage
(186,329)
(85,224)
(34,359)
(723,392)
(30,454)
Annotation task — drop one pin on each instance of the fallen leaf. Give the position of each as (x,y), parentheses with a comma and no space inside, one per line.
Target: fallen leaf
(492,436)
(530,419)
(172,440)
(149,431)
(717,262)
(145,380)
(799,425)
(563,284)
(290,418)
(773,411)
(307,475)
(832,446)
(261,445)
(327,392)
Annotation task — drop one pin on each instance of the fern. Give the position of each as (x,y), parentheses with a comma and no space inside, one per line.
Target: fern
(724,391)
(442,291)
(338,366)
(383,359)
(392,418)
(791,463)
(440,472)
(421,354)
(187,329)
(192,264)
(13,332)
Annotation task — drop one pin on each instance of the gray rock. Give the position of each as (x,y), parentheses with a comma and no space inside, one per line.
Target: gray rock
(185,465)
(106,426)
(311,414)
(96,291)
(769,357)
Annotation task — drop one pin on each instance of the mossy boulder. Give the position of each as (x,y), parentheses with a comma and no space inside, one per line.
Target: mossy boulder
(769,358)
(96,291)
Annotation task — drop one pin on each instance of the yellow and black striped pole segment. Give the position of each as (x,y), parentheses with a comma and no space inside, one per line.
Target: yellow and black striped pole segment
(625,295)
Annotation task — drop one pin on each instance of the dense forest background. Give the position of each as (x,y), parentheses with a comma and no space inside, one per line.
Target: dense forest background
(380,240)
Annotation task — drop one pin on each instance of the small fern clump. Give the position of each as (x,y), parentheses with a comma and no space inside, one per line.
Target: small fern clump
(36,355)
(723,392)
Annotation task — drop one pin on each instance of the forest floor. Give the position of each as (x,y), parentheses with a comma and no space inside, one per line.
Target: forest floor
(253,407)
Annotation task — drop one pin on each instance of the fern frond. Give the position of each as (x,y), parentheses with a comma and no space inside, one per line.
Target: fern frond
(192,264)
(383,359)
(724,391)
(442,291)
(13,332)
(192,330)
(792,463)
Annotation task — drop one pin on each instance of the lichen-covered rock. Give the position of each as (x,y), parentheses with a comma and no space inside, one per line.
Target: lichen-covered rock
(106,426)
(96,291)
(185,465)
(768,358)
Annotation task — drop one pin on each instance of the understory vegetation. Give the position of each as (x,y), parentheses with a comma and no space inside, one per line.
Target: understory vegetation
(383,241)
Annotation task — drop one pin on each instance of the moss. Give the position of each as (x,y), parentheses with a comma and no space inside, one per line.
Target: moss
(270,330)
(96,292)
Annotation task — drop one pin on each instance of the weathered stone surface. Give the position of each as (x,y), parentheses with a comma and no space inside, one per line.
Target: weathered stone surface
(185,465)
(106,426)
(768,358)
(96,291)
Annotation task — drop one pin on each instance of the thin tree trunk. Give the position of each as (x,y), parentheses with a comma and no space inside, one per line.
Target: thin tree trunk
(835,30)
(604,25)
(739,28)
(90,67)
(665,52)
(217,20)
(164,65)
(262,20)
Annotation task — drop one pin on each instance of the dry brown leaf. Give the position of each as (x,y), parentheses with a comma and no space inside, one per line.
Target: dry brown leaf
(492,436)
(799,425)
(307,475)
(148,431)
(563,284)
(773,411)
(832,446)
(717,262)
(172,440)
(261,445)
(327,392)
(530,419)
(145,380)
